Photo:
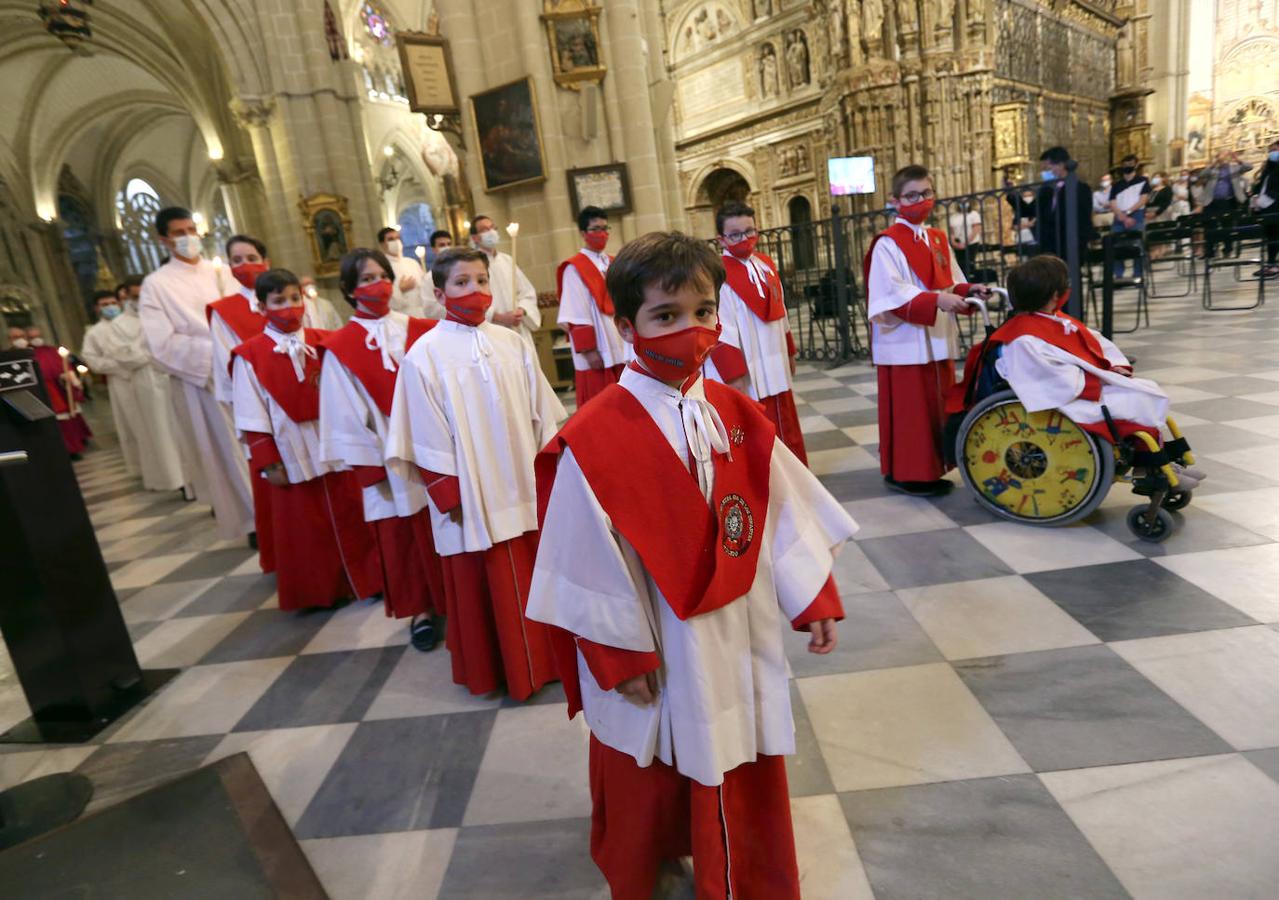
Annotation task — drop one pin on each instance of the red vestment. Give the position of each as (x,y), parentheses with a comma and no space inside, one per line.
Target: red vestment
(75,431)
(588,382)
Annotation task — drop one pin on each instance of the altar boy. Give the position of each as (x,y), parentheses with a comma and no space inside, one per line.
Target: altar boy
(914,287)
(680,538)
(471,410)
(325,551)
(586,310)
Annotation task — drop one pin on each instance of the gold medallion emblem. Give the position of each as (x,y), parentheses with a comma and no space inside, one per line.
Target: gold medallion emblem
(737,525)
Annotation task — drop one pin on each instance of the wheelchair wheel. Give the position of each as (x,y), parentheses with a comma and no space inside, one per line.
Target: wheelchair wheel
(1034,468)
(1178,500)
(1158,529)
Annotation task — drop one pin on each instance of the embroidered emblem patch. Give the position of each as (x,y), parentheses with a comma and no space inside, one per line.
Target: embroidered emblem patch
(737,436)
(737,525)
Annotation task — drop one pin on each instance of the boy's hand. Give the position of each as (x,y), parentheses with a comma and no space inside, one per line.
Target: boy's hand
(455,514)
(642,689)
(276,476)
(408,283)
(948,302)
(981,292)
(742,384)
(593,359)
(821,636)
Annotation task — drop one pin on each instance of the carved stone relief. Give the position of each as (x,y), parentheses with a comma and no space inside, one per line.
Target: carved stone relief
(767,66)
(797,59)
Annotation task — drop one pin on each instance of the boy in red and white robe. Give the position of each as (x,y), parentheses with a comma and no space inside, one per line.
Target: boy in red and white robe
(233,320)
(913,288)
(1054,361)
(586,310)
(680,539)
(329,553)
(357,383)
(756,352)
(471,410)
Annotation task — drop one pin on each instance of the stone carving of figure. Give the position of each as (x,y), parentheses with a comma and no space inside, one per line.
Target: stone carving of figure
(854,32)
(837,18)
(873,20)
(762,8)
(797,59)
(767,71)
(801,158)
(907,15)
(941,13)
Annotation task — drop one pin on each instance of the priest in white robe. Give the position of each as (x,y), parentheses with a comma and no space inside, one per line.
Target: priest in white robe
(517,311)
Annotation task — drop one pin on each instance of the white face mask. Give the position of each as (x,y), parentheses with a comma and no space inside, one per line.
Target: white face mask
(37,342)
(1105,184)
(310,291)
(188,246)
(21,343)
(489,239)
(395,247)
(1156,181)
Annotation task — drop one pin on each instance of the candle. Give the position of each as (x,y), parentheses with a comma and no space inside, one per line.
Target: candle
(513,230)
(421,254)
(66,379)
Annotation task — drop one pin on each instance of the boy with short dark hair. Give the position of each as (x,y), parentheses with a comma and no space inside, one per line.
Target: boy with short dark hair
(586,309)
(914,287)
(679,537)
(329,553)
(756,353)
(471,410)
(1128,198)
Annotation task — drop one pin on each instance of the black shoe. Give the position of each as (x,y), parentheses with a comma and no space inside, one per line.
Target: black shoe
(422,634)
(253,540)
(937,488)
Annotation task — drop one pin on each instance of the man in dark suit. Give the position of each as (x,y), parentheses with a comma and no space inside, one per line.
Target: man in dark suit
(1050,218)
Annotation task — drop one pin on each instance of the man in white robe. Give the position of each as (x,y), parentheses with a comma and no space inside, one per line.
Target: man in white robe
(412,295)
(519,312)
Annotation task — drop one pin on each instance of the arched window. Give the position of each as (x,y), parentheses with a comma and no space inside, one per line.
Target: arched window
(218,230)
(373,47)
(800,212)
(136,207)
(416,224)
(376,24)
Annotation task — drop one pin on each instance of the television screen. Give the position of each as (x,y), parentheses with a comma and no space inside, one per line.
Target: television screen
(851,175)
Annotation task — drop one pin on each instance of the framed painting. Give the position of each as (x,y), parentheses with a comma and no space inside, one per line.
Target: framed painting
(607,187)
(328,226)
(428,73)
(573,32)
(508,136)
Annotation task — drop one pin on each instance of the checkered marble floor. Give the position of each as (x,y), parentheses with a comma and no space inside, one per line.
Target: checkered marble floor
(1011,712)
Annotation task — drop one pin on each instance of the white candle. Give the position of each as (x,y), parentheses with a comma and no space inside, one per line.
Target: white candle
(513,230)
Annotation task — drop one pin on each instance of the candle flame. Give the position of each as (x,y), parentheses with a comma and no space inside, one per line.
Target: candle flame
(513,229)
(64,352)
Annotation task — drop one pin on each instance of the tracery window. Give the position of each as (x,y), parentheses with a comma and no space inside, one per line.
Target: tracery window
(136,208)
(376,24)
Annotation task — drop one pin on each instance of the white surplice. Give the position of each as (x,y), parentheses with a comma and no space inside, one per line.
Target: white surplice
(420,301)
(724,692)
(892,284)
(1046,377)
(578,307)
(353,429)
(140,402)
(472,402)
(256,410)
(763,344)
(525,294)
(177,333)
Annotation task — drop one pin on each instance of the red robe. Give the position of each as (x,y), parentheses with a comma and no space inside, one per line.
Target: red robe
(330,553)
(912,398)
(588,382)
(75,431)
(412,577)
(234,310)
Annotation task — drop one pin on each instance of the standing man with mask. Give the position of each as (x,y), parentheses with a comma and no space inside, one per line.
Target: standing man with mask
(519,312)
(1128,198)
(1050,213)
(172,307)
(409,281)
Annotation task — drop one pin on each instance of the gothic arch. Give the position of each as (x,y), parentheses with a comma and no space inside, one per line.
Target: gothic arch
(703,25)
(702,188)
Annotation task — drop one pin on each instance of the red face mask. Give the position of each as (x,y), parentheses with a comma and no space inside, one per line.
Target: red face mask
(744,248)
(916,213)
(375,297)
(677,355)
(287,319)
(469,308)
(247,273)
(596,240)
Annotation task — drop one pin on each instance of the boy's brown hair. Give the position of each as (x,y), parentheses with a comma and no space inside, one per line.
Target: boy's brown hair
(447,259)
(1035,282)
(910,173)
(669,259)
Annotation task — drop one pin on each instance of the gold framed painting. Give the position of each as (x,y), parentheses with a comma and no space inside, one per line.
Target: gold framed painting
(328,226)
(508,135)
(428,73)
(607,187)
(573,32)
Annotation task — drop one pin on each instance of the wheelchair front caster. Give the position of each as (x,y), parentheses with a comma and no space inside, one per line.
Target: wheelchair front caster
(1154,529)
(1178,500)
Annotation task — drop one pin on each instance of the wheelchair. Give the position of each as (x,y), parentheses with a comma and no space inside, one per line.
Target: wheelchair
(1043,469)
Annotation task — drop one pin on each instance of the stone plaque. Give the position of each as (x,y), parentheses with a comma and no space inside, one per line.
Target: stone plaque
(715,93)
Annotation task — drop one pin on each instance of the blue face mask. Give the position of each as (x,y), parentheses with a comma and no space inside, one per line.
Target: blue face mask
(1273,156)
(110,312)
(1048,175)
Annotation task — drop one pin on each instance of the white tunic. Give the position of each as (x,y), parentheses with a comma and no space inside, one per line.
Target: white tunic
(724,694)
(1047,377)
(893,283)
(353,429)
(762,343)
(421,300)
(177,333)
(256,410)
(140,401)
(578,307)
(473,402)
(525,294)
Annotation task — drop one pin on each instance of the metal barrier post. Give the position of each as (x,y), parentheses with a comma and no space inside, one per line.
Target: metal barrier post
(1075,306)
(842,300)
(1108,285)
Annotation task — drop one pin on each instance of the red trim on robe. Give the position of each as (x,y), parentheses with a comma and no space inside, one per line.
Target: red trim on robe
(368,476)
(780,410)
(790,345)
(729,361)
(445,491)
(300,400)
(588,383)
(591,276)
(921,310)
(610,666)
(263,521)
(263,451)
(412,577)
(234,310)
(582,337)
(826,605)
(767,304)
(347,344)
(1080,342)
(1092,388)
(912,417)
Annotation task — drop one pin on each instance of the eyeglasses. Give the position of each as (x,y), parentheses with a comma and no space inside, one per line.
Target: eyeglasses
(598,229)
(916,196)
(735,237)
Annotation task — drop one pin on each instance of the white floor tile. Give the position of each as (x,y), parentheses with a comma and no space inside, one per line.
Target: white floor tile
(15,768)
(829,867)
(992,617)
(1261,460)
(855,574)
(160,601)
(147,571)
(883,516)
(1228,679)
(1185,828)
(844,459)
(1256,510)
(401,865)
(124,529)
(358,626)
(1179,393)
(851,403)
(1268,397)
(909,725)
(422,685)
(1245,577)
(1179,374)
(1267,425)
(863,434)
(534,768)
(1027,548)
(183,642)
